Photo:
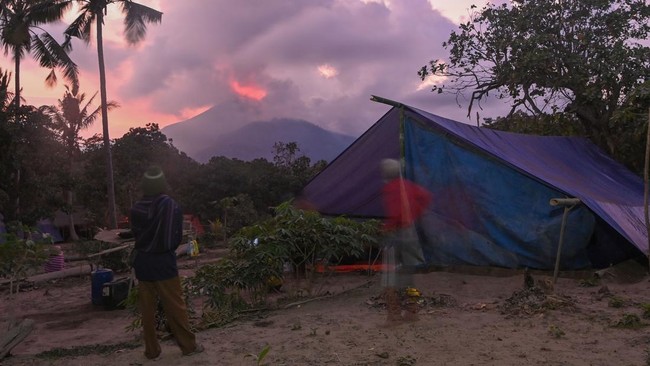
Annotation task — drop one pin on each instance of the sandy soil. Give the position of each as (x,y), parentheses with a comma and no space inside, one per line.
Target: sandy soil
(477,317)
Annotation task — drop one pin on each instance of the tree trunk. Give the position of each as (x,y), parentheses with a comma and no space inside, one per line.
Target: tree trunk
(73,232)
(70,195)
(17,191)
(17,79)
(112,213)
(17,103)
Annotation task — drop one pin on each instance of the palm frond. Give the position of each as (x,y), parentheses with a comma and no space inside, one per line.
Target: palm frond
(42,53)
(62,59)
(48,11)
(136,18)
(51,79)
(5,95)
(81,27)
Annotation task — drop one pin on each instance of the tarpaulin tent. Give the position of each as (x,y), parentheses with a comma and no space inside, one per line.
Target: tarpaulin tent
(492,191)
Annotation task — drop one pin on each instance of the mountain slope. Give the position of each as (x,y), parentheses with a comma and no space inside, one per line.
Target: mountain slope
(194,134)
(256,140)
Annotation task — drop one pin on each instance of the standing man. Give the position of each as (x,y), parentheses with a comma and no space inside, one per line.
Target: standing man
(157,224)
(404,203)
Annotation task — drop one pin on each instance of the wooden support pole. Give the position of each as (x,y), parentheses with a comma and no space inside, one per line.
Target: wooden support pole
(568,204)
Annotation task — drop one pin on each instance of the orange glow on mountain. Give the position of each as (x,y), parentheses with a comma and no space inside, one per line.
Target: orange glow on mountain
(248,91)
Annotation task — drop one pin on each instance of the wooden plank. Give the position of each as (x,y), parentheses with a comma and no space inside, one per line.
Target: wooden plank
(14,336)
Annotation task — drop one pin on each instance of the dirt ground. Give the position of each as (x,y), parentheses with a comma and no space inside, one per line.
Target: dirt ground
(467,317)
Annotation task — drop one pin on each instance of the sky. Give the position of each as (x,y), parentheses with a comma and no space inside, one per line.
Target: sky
(317,60)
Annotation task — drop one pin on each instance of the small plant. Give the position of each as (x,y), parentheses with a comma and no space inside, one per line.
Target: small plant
(406,361)
(21,257)
(259,358)
(258,254)
(616,302)
(555,331)
(646,311)
(589,282)
(629,321)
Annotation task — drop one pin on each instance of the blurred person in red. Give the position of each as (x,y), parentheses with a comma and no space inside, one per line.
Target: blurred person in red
(404,203)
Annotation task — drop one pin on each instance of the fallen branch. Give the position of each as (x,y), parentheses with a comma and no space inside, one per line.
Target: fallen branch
(325,296)
(14,336)
(82,270)
(111,250)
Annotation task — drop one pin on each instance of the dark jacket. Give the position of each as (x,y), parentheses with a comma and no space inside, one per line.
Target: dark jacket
(157,225)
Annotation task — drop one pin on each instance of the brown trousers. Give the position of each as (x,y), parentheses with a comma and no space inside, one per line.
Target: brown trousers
(171,295)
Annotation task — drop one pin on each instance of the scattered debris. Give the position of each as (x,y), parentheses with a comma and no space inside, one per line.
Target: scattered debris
(555,331)
(630,321)
(534,300)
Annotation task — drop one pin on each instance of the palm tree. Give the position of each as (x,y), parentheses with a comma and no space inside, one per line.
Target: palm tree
(19,21)
(135,27)
(72,116)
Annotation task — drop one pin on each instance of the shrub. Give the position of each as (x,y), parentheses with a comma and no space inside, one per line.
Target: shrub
(258,253)
(20,257)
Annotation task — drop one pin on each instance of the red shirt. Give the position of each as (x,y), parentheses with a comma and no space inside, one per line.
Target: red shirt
(404,202)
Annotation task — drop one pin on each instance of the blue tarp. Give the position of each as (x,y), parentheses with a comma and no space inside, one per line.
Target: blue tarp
(491,193)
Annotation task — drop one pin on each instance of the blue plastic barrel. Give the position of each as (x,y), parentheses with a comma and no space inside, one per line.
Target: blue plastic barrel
(99,278)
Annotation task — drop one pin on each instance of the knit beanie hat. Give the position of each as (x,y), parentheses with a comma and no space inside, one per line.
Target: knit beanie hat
(390,169)
(153,181)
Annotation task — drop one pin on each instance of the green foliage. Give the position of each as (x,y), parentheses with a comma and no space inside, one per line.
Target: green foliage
(257,254)
(616,302)
(20,257)
(117,261)
(305,238)
(237,211)
(646,311)
(132,306)
(559,124)
(555,331)
(583,58)
(259,358)
(214,234)
(589,282)
(31,165)
(629,321)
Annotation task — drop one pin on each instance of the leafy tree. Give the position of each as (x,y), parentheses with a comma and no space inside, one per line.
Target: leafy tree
(582,57)
(92,173)
(133,153)
(238,211)
(136,17)
(33,146)
(559,124)
(19,22)
(294,167)
(139,148)
(68,119)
